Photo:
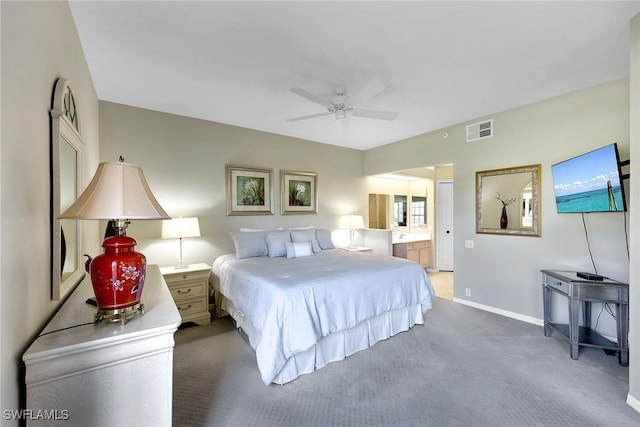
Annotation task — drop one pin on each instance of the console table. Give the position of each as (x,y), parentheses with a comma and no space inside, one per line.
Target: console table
(581,293)
(109,373)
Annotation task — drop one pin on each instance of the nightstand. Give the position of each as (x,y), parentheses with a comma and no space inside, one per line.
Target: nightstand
(188,288)
(358,249)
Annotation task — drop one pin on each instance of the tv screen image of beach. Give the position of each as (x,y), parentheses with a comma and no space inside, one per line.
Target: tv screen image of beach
(589,183)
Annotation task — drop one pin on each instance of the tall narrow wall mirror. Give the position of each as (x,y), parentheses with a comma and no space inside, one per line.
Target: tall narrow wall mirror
(66,147)
(508,201)
(400,210)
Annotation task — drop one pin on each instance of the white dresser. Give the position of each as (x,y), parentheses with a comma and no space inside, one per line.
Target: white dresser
(106,374)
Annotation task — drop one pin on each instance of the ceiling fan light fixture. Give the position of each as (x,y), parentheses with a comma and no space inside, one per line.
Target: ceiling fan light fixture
(338,106)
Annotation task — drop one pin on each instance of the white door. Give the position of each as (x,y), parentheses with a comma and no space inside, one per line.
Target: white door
(445,226)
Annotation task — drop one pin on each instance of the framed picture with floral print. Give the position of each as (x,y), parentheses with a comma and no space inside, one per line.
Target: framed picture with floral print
(249,191)
(299,192)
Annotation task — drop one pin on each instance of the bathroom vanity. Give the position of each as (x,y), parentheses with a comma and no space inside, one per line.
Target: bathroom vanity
(415,247)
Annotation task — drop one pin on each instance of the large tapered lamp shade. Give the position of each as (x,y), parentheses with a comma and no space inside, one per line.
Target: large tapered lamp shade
(118,192)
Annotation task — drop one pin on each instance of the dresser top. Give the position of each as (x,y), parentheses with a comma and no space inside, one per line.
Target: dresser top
(160,316)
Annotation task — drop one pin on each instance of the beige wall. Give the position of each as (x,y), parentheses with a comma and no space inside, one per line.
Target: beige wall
(503,271)
(39,44)
(184,161)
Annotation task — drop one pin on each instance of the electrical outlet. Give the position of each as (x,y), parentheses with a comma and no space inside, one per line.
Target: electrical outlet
(467,292)
(469,244)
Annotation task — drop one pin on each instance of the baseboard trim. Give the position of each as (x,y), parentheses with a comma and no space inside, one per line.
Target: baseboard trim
(512,315)
(633,402)
(500,311)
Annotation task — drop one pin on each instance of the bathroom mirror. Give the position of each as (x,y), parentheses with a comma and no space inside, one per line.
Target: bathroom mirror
(400,210)
(508,201)
(66,146)
(378,211)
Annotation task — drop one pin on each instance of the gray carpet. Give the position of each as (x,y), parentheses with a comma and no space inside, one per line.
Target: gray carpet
(464,367)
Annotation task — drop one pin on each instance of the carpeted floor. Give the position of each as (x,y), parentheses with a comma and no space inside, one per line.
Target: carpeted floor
(464,367)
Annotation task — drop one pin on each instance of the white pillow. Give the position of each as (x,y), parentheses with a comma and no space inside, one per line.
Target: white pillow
(249,244)
(305,235)
(324,238)
(297,250)
(276,243)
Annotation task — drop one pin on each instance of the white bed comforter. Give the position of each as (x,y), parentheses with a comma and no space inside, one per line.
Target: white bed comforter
(292,303)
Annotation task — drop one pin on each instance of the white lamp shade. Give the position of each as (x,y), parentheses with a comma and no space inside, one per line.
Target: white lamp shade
(117,191)
(352,222)
(180,227)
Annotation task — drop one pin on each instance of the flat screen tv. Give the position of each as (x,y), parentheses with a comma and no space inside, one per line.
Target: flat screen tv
(590,182)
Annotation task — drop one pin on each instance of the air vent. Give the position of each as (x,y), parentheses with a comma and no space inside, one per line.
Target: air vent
(480,130)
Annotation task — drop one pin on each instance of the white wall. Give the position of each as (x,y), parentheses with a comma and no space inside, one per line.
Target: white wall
(634,228)
(39,44)
(503,271)
(184,161)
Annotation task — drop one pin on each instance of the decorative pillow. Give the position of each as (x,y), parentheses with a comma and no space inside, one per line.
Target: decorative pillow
(305,235)
(276,243)
(297,250)
(324,238)
(249,244)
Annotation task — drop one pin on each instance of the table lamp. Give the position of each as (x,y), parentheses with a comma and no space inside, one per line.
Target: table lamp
(352,223)
(117,192)
(179,228)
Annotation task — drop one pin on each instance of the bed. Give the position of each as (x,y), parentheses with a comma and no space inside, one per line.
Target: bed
(301,312)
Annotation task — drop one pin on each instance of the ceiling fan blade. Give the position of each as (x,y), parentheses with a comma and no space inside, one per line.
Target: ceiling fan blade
(371,89)
(311,97)
(374,114)
(311,116)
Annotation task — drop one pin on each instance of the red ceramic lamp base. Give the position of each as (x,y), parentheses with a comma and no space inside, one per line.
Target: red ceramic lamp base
(118,278)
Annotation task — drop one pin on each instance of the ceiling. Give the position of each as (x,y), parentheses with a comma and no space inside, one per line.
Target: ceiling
(442,63)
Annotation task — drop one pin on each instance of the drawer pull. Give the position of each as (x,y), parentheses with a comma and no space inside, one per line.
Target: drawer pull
(181,292)
(184,276)
(185,308)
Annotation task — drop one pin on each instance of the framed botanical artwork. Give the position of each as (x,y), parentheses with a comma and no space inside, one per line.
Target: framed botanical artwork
(249,191)
(299,192)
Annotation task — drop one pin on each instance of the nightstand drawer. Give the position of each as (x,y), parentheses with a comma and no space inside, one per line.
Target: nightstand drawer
(187,277)
(189,290)
(192,307)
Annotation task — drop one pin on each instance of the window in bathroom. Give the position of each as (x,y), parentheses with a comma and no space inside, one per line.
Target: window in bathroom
(418,211)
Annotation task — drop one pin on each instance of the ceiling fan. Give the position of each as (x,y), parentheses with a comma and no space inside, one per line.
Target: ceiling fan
(341,105)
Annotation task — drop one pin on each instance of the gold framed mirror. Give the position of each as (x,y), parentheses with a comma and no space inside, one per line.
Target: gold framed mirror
(508,201)
(66,148)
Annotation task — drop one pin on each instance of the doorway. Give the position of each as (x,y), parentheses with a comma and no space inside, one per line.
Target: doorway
(442,282)
(445,225)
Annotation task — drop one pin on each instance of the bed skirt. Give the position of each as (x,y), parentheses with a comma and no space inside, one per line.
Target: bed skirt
(337,346)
